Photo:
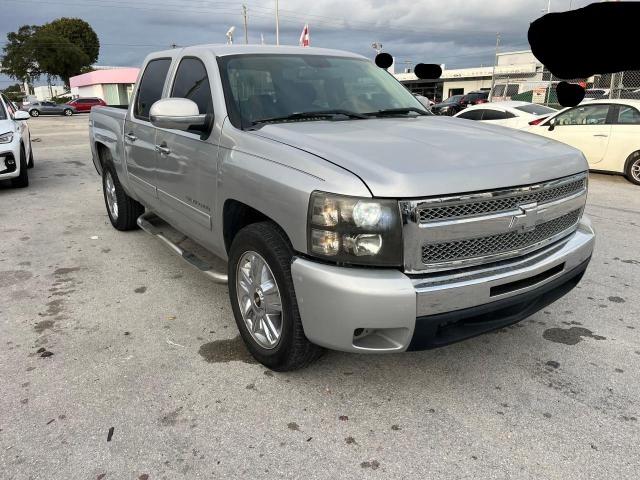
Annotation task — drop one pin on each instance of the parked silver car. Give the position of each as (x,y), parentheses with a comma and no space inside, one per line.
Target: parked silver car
(349,217)
(49,108)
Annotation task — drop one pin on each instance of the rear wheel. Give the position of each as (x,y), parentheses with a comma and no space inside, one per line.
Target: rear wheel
(263,298)
(22,180)
(34,113)
(123,210)
(632,170)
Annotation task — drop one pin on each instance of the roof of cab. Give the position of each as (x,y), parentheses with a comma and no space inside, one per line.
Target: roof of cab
(222,50)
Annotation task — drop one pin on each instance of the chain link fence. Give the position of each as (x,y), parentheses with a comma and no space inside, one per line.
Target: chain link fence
(540,88)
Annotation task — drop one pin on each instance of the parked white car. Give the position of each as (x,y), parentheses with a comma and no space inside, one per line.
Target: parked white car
(16,155)
(607,132)
(512,114)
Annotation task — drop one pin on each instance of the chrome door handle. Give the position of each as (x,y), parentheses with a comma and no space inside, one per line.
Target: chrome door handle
(162,150)
(131,137)
(600,135)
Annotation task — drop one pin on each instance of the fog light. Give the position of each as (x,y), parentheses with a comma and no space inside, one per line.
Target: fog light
(10,162)
(324,242)
(363,244)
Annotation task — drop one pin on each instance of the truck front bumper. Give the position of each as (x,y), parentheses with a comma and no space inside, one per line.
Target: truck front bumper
(376,310)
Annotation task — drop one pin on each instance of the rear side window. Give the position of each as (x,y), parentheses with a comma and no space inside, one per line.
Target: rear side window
(496,115)
(628,115)
(151,86)
(471,114)
(535,109)
(192,82)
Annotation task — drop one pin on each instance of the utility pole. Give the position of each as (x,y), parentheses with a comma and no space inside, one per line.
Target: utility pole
(277,24)
(246,33)
(495,62)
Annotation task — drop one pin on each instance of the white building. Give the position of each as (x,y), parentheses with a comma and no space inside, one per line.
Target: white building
(45,92)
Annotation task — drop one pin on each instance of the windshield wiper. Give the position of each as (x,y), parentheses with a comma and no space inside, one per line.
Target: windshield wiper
(397,111)
(310,115)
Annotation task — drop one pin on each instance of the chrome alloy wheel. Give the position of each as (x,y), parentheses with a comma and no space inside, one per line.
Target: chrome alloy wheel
(110,193)
(259,300)
(635,170)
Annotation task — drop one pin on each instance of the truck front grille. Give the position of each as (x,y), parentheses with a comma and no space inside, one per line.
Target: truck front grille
(496,244)
(466,209)
(458,231)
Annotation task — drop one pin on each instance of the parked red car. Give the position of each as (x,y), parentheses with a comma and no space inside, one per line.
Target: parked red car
(85,104)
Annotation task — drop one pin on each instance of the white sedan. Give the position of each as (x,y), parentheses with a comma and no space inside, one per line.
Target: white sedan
(512,114)
(15,144)
(607,132)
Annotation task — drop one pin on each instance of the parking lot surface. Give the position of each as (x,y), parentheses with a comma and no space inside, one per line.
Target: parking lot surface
(148,378)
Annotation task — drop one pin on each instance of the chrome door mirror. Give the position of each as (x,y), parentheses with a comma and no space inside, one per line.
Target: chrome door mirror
(178,114)
(21,115)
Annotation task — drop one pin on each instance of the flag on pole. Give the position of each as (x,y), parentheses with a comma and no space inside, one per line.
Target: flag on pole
(304,36)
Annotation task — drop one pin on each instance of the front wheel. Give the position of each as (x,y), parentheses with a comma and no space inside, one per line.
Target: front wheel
(68,112)
(30,164)
(34,113)
(22,180)
(263,298)
(632,170)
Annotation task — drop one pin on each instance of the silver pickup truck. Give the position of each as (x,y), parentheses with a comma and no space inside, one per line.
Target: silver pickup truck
(346,216)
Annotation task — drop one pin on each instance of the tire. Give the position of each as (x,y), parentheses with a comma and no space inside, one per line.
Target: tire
(632,168)
(22,181)
(34,113)
(67,112)
(292,350)
(30,162)
(124,210)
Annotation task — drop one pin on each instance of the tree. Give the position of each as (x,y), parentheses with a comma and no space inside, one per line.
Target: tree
(19,56)
(61,48)
(14,92)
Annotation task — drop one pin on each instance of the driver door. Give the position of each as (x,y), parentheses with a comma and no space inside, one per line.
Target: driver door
(585,127)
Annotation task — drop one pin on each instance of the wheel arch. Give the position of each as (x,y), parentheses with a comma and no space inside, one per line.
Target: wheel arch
(236,215)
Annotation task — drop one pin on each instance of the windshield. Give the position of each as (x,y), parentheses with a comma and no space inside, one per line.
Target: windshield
(536,109)
(3,113)
(262,86)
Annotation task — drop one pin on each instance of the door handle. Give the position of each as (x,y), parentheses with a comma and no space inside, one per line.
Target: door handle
(131,137)
(162,150)
(600,135)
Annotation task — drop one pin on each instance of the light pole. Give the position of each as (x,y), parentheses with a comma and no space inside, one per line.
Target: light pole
(493,73)
(277,24)
(246,33)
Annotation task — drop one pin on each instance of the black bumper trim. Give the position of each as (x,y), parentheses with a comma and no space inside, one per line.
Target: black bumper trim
(433,331)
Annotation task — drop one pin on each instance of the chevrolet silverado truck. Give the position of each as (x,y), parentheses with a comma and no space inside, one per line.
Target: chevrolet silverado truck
(344,215)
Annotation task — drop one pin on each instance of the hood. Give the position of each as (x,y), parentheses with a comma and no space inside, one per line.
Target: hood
(425,156)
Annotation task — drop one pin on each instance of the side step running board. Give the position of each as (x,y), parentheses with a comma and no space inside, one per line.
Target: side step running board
(145,222)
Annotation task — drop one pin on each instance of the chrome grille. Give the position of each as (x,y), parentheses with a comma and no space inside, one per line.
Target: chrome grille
(496,244)
(511,200)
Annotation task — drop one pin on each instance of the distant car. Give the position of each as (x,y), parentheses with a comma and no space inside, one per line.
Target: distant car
(450,106)
(16,155)
(36,109)
(424,101)
(475,98)
(85,104)
(607,132)
(512,114)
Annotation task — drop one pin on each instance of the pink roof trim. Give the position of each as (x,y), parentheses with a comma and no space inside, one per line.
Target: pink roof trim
(115,75)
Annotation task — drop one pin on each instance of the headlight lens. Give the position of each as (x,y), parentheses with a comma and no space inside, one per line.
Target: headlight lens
(6,137)
(355,230)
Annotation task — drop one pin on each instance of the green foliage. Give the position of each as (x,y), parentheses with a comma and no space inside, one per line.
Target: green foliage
(62,48)
(61,99)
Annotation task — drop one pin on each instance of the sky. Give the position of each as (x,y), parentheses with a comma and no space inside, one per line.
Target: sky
(457,33)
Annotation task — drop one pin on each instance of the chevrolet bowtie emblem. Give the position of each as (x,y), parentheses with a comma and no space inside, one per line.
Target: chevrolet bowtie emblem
(527,220)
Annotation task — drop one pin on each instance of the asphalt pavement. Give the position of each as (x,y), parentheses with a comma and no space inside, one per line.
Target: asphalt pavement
(120,361)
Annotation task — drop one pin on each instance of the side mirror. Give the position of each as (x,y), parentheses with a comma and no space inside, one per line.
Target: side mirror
(552,124)
(178,114)
(21,115)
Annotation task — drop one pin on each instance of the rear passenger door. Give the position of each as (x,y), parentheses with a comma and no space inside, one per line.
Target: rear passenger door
(187,167)
(140,135)
(624,137)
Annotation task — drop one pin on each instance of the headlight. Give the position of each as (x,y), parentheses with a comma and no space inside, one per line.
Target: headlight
(6,137)
(354,230)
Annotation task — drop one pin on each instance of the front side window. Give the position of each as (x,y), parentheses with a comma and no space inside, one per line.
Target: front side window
(471,115)
(584,115)
(628,115)
(265,86)
(151,86)
(494,115)
(192,82)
